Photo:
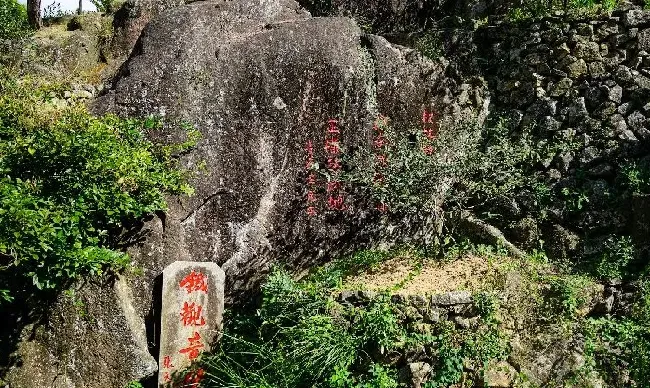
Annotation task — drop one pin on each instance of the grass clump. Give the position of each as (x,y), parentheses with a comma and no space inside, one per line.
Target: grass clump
(302,335)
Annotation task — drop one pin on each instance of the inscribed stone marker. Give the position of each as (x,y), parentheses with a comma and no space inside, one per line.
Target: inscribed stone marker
(191,316)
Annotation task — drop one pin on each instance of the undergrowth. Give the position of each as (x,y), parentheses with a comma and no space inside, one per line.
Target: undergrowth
(13,20)
(301,336)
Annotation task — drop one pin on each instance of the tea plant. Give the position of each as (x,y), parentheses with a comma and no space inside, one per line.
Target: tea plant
(70,184)
(13,20)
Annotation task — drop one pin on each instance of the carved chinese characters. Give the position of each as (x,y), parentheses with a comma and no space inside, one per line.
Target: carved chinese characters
(429,130)
(192,309)
(335,200)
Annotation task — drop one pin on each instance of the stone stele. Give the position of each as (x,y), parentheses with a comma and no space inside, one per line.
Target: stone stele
(191,316)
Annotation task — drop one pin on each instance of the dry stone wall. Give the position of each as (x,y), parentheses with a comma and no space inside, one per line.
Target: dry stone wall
(583,85)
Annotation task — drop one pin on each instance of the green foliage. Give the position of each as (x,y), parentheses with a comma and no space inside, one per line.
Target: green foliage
(332,275)
(567,294)
(539,8)
(636,177)
(134,384)
(502,165)
(380,377)
(412,179)
(487,305)
(619,347)
(106,6)
(13,20)
(574,200)
(616,258)
(70,184)
(53,10)
(429,45)
(301,336)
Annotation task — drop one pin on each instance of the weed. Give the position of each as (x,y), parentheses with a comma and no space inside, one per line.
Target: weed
(300,336)
(567,294)
(575,200)
(616,258)
(636,177)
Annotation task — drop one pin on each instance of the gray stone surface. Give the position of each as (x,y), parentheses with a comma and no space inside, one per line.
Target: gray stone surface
(415,374)
(451,298)
(191,316)
(637,17)
(248,211)
(97,338)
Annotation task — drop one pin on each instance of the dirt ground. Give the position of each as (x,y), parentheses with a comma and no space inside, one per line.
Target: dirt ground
(467,273)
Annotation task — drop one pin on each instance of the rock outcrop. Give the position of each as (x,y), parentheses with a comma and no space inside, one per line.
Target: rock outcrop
(259,80)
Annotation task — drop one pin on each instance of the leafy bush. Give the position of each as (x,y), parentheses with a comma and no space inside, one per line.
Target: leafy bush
(567,294)
(13,20)
(616,258)
(70,184)
(106,6)
(619,347)
(412,180)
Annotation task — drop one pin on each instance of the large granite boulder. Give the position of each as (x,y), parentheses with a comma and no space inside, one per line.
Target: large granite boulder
(259,80)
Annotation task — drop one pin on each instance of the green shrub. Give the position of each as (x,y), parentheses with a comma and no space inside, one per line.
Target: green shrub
(13,20)
(106,6)
(616,258)
(567,294)
(70,184)
(619,347)
(411,179)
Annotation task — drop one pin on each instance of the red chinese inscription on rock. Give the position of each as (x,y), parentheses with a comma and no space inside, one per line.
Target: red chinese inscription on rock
(335,198)
(194,347)
(195,281)
(191,315)
(429,130)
